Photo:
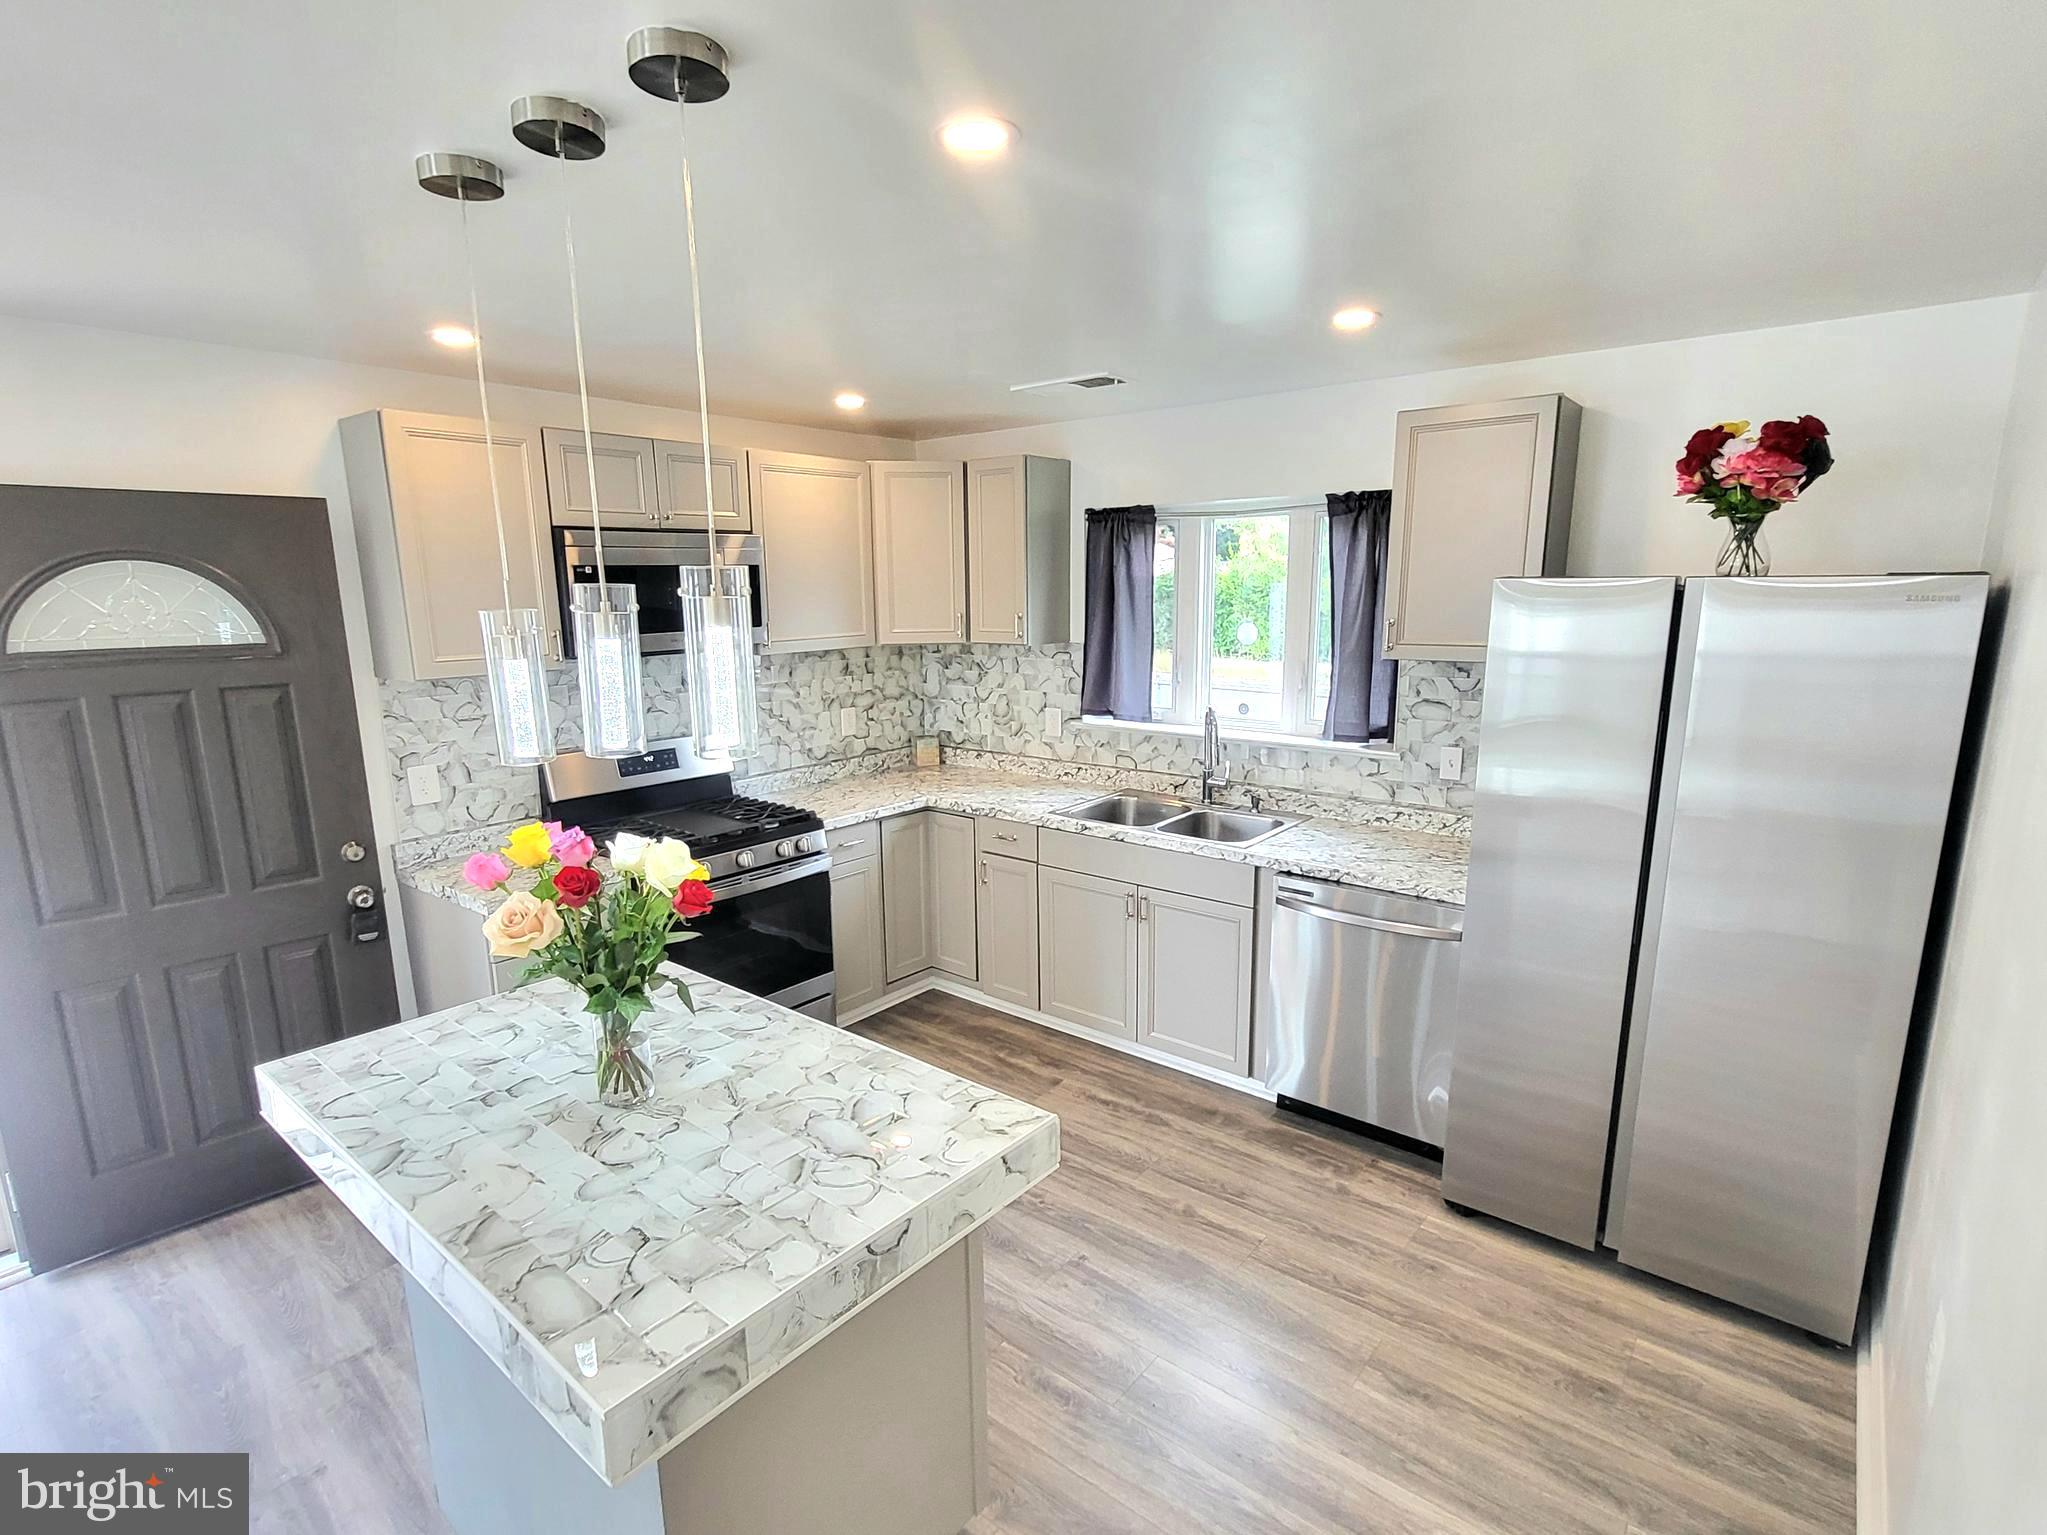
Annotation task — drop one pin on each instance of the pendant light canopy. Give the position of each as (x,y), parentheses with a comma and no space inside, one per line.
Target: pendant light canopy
(604,618)
(514,640)
(717,623)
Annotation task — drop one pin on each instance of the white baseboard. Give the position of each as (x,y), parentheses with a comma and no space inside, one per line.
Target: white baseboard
(932,980)
(1872,1490)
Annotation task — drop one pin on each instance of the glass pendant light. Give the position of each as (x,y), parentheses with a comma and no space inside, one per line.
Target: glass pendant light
(717,604)
(604,618)
(514,640)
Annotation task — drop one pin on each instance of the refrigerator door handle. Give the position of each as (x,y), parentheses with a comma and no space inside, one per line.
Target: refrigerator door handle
(1377,924)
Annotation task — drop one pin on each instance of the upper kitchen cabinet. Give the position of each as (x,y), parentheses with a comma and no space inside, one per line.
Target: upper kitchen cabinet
(420,490)
(627,491)
(1479,492)
(920,553)
(1019,550)
(679,478)
(817,543)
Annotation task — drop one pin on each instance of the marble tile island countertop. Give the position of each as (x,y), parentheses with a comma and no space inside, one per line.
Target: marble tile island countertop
(634,1273)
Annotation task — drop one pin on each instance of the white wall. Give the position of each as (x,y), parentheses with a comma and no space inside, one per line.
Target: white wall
(1915,400)
(122,411)
(1954,1378)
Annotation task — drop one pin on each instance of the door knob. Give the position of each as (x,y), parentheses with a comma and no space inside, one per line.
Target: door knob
(361,897)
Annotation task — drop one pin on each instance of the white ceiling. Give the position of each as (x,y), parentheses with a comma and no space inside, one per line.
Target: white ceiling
(1198,185)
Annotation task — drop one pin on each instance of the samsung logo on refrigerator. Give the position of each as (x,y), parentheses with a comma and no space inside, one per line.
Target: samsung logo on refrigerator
(1933,596)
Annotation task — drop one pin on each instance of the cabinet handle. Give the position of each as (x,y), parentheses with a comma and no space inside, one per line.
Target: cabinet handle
(984,871)
(1005,836)
(1130,906)
(1391,625)
(1143,908)
(1019,626)
(959,625)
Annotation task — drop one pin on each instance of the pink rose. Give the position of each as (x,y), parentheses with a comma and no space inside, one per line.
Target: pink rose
(486,871)
(1783,490)
(570,844)
(1759,469)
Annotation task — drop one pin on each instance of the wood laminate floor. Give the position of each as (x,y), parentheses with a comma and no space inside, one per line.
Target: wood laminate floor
(1214,1317)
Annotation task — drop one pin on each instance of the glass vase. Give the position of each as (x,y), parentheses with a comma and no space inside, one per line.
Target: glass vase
(515,664)
(625,1066)
(1746,552)
(717,633)
(607,626)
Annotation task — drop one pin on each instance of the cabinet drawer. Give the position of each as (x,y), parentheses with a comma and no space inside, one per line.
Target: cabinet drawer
(850,844)
(1213,879)
(1011,839)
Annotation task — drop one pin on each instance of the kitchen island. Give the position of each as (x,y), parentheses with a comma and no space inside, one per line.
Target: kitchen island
(764,1284)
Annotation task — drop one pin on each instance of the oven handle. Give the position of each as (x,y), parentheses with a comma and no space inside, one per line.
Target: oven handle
(1376,924)
(767,879)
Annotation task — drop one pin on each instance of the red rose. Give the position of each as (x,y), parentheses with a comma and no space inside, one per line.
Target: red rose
(1701,449)
(692,898)
(1790,437)
(574,886)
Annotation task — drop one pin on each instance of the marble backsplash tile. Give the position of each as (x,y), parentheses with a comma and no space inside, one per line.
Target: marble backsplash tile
(989,698)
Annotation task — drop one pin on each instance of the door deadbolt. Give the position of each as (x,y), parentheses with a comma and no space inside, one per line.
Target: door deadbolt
(353,852)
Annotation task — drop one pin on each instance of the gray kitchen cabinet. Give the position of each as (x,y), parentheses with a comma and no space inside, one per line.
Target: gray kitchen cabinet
(815,521)
(858,960)
(1006,923)
(952,893)
(427,537)
(1087,950)
(920,553)
(1194,969)
(1479,492)
(679,483)
(906,894)
(1019,550)
(627,493)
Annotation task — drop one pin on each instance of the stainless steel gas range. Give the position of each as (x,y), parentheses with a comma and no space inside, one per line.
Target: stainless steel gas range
(769,930)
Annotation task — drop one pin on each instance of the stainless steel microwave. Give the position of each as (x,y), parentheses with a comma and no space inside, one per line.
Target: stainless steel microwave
(651,563)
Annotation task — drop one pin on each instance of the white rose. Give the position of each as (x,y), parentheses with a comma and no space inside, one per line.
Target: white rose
(667,863)
(627,850)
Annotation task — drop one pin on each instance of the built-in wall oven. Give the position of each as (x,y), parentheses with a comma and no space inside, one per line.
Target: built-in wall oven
(650,561)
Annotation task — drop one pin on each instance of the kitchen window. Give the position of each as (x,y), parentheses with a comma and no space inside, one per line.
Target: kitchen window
(1241,617)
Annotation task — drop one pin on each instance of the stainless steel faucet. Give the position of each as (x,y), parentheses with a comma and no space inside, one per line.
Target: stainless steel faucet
(1215,772)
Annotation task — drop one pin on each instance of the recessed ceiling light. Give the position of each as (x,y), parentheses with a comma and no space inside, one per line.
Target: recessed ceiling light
(973,136)
(459,337)
(846,399)
(1356,317)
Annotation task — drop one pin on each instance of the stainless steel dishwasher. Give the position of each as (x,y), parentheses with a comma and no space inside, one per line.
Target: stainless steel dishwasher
(1358,1002)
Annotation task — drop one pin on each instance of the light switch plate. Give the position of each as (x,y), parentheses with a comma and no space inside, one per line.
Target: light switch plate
(1450,763)
(849,721)
(1052,722)
(423,784)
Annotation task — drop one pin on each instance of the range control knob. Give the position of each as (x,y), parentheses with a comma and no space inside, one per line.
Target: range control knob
(810,842)
(785,849)
(743,858)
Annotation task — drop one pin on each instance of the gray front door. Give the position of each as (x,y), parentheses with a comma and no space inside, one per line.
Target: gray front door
(179,755)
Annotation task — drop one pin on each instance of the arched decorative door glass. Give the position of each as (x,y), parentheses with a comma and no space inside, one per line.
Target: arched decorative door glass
(128,604)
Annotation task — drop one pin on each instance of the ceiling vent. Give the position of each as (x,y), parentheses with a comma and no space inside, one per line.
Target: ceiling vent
(1076,381)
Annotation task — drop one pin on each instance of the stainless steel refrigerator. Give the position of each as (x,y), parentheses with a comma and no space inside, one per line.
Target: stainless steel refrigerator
(1709,817)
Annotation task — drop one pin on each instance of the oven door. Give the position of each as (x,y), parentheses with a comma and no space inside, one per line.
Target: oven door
(770,934)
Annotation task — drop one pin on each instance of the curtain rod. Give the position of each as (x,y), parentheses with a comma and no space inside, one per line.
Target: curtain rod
(1249,504)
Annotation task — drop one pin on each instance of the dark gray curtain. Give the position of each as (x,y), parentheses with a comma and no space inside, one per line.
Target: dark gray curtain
(1115,663)
(1361,679)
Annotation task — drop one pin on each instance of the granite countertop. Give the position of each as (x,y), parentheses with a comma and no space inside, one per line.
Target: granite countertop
(1401,859)
(633,1271)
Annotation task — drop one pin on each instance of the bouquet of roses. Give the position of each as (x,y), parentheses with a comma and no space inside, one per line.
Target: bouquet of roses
(606,933)
(1747,478)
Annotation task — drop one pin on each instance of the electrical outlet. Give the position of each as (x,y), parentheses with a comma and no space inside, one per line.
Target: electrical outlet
(849,722)
(1052,722)
(1450,764)
(423,784)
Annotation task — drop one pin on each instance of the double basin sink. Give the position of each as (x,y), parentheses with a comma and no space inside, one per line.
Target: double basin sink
(1177,818)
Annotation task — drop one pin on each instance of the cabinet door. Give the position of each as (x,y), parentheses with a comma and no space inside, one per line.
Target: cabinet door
(679,482)
(1006,917)
(626,491)
(952,893)
(856,934)
(817,542)
(424,478)
(1087,951)
(1194,969)
(997,561)
(906,894)
(920,553)
(1479,492)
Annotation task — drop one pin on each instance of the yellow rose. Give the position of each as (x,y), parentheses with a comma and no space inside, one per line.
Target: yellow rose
(522,925)
(697,871)
(528,846)
(1736,427)
(667,863)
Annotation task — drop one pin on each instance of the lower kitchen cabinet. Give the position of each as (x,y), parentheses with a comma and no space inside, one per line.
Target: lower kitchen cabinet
(1087,950)
(952,894)
(857,956)
(1006,920)
(1194,970)
(906,894)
